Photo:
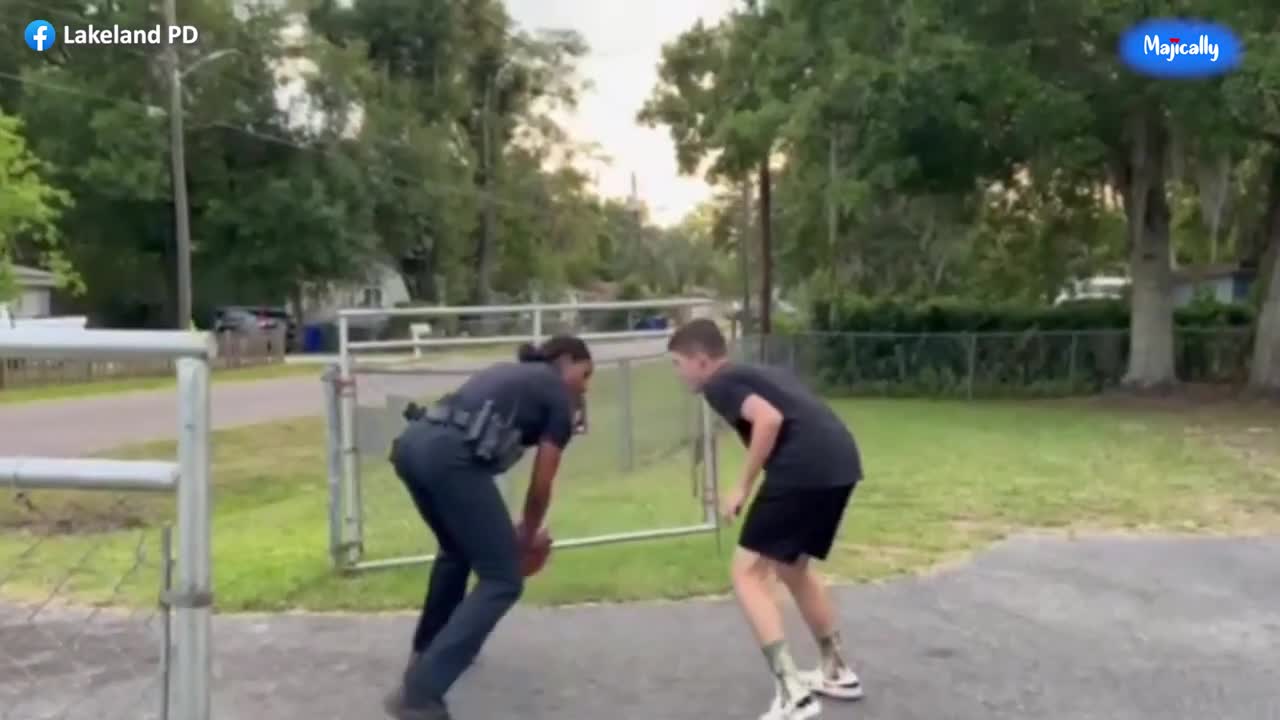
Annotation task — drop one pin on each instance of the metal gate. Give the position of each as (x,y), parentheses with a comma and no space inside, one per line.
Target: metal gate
(645,468)
(108,653)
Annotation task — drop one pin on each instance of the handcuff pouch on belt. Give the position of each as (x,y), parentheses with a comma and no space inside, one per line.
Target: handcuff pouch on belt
(492,439)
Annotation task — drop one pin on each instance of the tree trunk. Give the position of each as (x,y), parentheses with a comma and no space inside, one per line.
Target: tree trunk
(1265,368)
(488,221)
(485,248)
(766,248)
(1150,257)
(297,296)
(744,256)
(419,271)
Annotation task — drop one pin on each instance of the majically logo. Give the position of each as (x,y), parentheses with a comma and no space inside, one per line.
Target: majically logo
(1180,48)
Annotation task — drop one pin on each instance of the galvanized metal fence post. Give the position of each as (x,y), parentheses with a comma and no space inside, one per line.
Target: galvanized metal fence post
(333,448)
(166,616)
(352,516)
(626,420)
(193,595)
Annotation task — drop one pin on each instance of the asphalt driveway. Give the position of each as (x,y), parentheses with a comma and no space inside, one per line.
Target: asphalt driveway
(1037,628)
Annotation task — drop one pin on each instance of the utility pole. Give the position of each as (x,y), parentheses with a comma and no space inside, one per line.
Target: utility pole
(832,217)
(489,220)
(766,248)
(744,255)
(177,153)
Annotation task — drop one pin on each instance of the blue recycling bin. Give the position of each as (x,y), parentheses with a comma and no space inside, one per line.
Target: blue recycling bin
(313,339)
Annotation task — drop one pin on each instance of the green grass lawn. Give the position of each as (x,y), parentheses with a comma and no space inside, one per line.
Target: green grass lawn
(107,387)
(944,478)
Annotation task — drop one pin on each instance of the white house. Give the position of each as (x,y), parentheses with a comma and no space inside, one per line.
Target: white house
(35,292)
(382,288)
(1098,287)
(1226,283)
(33,304)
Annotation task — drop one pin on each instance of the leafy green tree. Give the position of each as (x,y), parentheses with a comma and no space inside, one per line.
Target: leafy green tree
(711,96)
(29,210)
(276,206)
(1252,106)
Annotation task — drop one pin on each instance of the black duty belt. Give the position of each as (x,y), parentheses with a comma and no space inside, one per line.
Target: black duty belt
(491,440)
(449,415)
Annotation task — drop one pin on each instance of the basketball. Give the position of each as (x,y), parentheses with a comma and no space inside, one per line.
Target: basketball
(535,554)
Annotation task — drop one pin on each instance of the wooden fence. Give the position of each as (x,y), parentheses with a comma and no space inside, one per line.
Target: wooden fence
(234,351)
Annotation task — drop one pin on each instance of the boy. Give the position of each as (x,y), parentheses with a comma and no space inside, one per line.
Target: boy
(812,465)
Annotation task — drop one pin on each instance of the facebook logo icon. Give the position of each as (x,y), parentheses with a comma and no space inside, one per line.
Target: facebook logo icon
(40,35)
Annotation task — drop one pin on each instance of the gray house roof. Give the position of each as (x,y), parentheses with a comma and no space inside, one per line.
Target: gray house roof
(29,277)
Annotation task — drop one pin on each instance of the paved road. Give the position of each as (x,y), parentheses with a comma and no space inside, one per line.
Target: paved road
(1044,628)
(87,425)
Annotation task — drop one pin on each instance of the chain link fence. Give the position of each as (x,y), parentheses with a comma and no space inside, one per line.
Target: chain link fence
(84,632)
(1035,363)
(635,471)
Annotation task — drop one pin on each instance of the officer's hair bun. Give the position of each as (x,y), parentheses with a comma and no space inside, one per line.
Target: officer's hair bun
(530,353)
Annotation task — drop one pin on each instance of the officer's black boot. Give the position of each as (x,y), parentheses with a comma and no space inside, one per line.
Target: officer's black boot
(397,707)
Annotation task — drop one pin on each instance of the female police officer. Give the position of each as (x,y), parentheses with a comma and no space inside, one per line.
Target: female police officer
(447,458)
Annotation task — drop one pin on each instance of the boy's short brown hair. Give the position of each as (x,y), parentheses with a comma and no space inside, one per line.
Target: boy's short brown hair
(699,336)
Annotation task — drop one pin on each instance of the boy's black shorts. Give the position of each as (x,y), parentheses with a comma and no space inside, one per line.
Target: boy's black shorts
(786,524)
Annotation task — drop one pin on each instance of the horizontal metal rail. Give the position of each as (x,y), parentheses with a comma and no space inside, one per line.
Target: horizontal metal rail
(593,541)
(425,342)
(36,473)
(66,343)
(420,368)
(448,310)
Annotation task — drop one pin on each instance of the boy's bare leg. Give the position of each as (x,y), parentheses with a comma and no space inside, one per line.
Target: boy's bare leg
(814,602)
(752,580)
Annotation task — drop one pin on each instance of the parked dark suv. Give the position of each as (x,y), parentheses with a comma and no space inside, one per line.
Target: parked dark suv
(252,319)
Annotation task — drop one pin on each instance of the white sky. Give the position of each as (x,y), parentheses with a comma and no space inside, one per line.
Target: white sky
(626,38)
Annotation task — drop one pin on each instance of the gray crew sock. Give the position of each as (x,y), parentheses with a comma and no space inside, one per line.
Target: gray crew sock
(832,652)
(784,670)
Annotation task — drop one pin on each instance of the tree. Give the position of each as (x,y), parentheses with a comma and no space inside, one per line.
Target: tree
(1252,105)
(29,209)
(712,96)
(453,91)
(258,173)
(993,95)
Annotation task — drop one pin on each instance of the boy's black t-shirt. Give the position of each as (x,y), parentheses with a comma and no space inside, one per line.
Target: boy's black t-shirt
(533,395)
(814,449)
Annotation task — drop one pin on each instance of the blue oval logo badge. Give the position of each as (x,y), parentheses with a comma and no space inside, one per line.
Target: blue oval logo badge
(1180,49)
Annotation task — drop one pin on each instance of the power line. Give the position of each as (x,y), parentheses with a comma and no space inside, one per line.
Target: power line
(420,184)
(247,83)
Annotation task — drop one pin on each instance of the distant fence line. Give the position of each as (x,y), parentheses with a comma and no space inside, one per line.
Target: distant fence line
(235,350)
(973,364)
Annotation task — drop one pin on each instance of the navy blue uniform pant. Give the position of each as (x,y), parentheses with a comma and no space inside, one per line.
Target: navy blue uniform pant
(460,502)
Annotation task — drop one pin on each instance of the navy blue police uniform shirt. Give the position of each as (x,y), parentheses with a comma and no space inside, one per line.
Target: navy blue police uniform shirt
(532,396)
(814,448)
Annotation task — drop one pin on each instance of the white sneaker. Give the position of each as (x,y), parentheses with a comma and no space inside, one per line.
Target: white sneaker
(804,707)
(844,686)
